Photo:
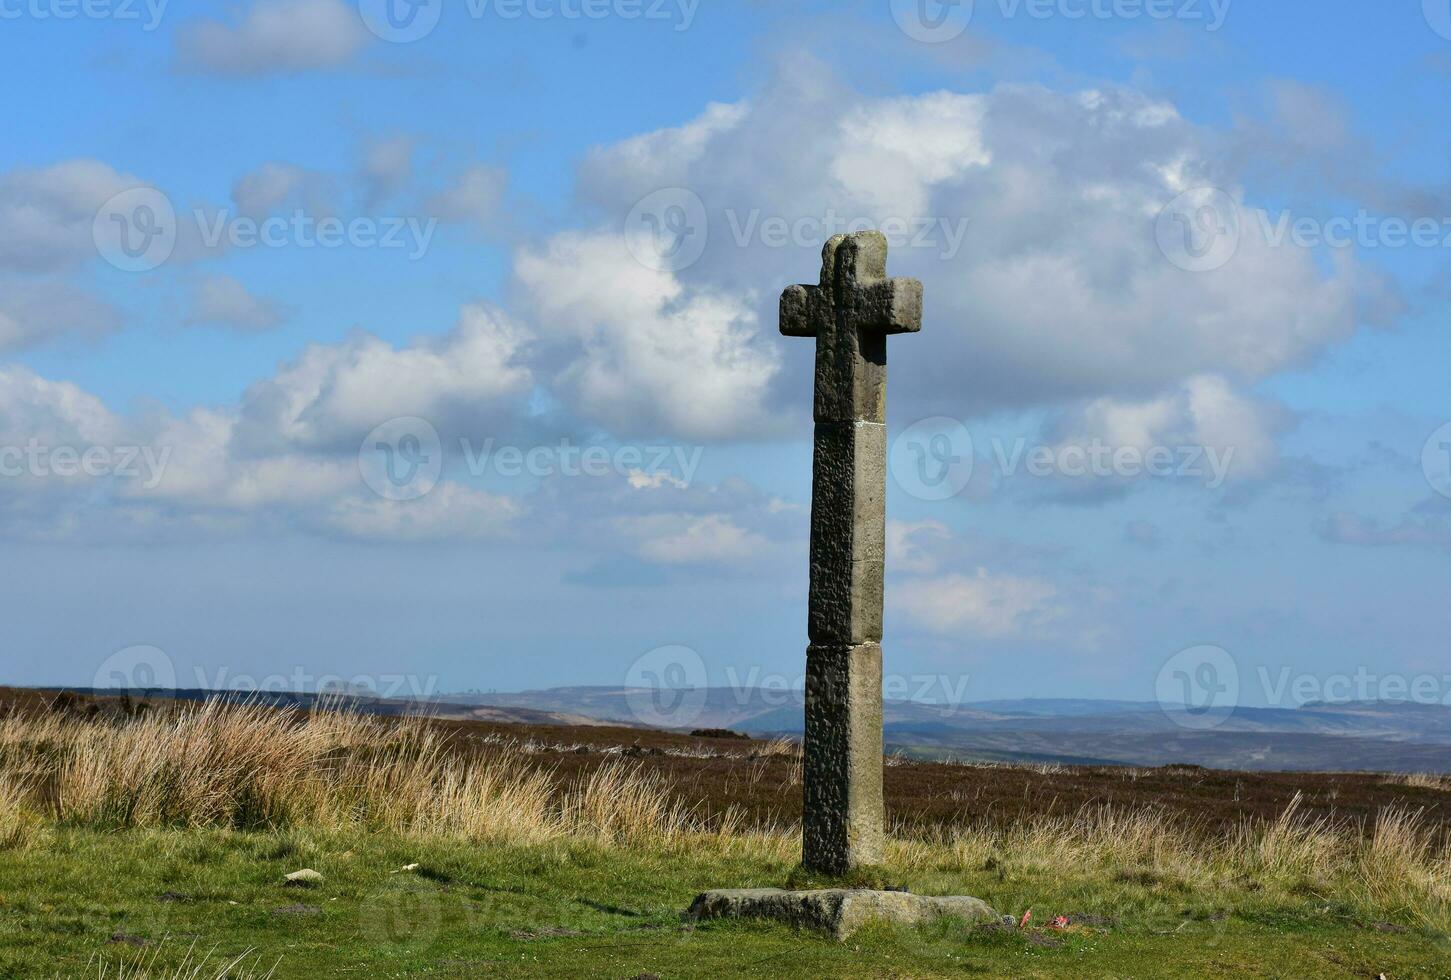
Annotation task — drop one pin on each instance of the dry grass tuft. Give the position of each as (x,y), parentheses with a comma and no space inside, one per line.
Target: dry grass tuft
(621,803)
(1422,780)
(1290,849)
(207,966)
(1403,865)
(249,767)
(20,827)
(788,747)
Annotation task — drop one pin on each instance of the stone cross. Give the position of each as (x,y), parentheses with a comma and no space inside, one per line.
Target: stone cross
(850,314)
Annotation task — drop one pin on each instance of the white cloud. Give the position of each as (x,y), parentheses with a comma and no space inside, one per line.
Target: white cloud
(899,148)
(272,185)
(208,476)
(633,167)
(646,354)
(35,311)
(1204,412)
(1310,120)
(38,417)
(665,520)
(290,449)
(1058,297)
(387,166)
(53,413)
(473,197)
(688,539)
(993,606)
(333,395)
(274,37)
(1058,291)
(223,301)
(46,214)
(911,546)
(207,468)
(450,512)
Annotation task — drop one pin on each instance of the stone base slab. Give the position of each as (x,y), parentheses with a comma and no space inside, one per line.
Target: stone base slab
(838,911)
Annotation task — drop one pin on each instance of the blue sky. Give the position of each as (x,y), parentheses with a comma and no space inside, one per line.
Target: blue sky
(1041,158)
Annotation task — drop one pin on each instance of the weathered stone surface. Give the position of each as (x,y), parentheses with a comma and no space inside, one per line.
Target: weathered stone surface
(837,911)
(803,310)
(848,532)
(850,312)
(844,819)
(306,878)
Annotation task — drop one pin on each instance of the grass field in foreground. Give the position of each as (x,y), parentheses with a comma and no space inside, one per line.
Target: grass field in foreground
(153,844)
(86,902)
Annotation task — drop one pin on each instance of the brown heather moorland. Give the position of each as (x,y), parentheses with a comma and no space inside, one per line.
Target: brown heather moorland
(757,783)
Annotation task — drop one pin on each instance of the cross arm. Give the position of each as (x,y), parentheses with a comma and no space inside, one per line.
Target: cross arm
(891,305)
(803,310)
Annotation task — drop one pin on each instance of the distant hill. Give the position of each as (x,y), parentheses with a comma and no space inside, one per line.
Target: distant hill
(372,705)
(1364,735)
(1380,736)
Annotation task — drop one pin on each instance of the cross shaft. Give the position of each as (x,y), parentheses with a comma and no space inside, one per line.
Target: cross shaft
(850,313)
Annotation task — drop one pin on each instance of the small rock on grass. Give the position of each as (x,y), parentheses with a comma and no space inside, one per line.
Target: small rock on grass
(306,878)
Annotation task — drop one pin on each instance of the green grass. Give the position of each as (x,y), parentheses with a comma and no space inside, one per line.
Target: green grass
(576,910)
